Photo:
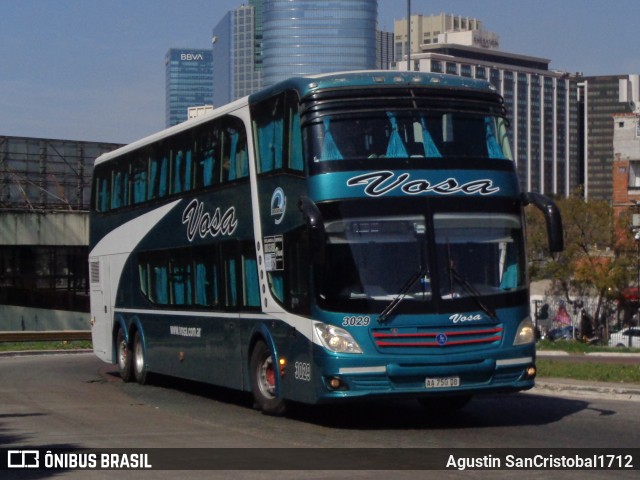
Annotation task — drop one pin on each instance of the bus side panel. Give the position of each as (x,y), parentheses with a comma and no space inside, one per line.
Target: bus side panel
(299,381)
(203,348)
(110,268)
(101,308)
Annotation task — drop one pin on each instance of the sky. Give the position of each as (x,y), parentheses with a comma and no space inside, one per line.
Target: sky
(94,69)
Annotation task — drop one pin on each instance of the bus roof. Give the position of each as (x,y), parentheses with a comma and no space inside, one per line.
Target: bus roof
(306,85)
(186,125)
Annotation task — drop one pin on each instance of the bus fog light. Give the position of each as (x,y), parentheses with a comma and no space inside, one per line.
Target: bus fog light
(531,371)
(336,339)
(336,383)
(525,333)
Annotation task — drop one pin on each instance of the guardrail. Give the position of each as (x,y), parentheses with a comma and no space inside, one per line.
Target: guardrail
(45,336)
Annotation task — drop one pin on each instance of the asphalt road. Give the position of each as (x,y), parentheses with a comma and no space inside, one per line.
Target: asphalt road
(76,401)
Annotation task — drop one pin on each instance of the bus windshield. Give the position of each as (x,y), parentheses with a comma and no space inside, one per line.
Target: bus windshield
(403,134)
(381,258)
(478,254)
(375,258)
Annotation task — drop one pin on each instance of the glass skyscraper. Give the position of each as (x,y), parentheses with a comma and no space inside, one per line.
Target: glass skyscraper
(237,57)
(188,83)
(303,37)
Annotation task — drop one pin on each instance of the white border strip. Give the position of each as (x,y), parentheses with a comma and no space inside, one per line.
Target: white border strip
(195,313)
(513,361)
(347,370)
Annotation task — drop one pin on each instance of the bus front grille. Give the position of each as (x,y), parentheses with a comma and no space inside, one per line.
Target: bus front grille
(436,338)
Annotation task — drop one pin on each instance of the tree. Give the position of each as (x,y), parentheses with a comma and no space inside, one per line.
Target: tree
(596,259)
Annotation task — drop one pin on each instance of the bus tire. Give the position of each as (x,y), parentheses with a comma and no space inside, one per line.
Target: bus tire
(123,355)
(263,373)
(139,360)
(444,405)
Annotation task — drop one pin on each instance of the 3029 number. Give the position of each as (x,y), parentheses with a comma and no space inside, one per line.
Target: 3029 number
(302,371)
(353,321)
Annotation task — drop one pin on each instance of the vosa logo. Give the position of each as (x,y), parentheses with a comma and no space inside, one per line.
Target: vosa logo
(278,205)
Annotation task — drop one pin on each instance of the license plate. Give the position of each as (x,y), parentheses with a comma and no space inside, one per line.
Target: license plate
(442,382)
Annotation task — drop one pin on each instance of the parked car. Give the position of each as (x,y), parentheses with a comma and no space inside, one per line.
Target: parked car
(563,333)
(621,338)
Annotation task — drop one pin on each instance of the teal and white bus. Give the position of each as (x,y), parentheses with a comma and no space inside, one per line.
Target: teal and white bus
(335,237)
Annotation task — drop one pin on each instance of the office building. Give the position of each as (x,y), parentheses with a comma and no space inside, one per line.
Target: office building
(188,82)
(626,161)
(600,99)
(302,37)
(237,54)
(384,50)
(426,29)
(541,104)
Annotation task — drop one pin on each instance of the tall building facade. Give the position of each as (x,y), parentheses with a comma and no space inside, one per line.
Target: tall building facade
(424,30)
(541,107)
(626,161)
(237,54)
(384,50)
(188,82)
(600,98)
(302,37)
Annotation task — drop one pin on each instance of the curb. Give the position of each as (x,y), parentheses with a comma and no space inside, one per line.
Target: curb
(576,388)
(24,353)
(562,353)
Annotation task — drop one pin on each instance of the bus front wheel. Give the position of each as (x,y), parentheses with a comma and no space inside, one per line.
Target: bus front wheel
(263,381)
(139,360)
(124,357)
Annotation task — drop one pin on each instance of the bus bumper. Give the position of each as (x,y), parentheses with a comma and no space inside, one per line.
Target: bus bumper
(423,377)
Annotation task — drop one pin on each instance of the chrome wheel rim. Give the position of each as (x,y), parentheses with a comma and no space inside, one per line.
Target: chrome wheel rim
(267,378)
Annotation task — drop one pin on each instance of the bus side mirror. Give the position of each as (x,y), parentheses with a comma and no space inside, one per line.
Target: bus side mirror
(315,224)
(551,216)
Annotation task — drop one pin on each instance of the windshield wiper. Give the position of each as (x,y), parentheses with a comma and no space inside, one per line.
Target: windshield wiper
(471,290)
(384,315)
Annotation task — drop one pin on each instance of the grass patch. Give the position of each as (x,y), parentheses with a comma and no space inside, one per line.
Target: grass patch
(575,347)
(589,371)
(61,345)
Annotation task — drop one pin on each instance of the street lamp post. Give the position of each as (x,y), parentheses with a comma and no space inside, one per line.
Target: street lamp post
(409,36)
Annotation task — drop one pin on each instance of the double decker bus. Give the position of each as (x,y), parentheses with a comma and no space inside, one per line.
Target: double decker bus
(335,237)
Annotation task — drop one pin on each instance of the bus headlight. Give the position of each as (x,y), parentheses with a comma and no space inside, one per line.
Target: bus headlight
(336,339)
(525,332)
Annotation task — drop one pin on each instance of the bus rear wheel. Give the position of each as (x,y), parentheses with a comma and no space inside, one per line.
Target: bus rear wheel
(263,373)
(124,354)
(139,360)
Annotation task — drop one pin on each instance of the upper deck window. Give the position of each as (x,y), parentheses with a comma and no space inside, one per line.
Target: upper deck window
(404,134)
(276,125)
(208,156)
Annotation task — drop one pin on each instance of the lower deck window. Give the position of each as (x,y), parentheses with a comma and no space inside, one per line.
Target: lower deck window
(221,276)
